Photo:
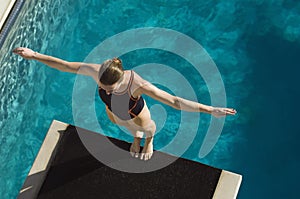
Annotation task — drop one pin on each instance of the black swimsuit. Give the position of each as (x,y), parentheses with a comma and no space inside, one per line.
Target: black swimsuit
(123,105)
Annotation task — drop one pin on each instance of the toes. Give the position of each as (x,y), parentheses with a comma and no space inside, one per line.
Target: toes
(134,151)
(134,154)
(142,156)
(146,156)
(131,151)
(150,156)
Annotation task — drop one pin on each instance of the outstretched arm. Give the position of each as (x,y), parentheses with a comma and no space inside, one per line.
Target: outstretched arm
(183,104)
(59,64)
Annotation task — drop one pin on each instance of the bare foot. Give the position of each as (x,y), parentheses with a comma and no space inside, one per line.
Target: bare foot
(148,149)
(135,147)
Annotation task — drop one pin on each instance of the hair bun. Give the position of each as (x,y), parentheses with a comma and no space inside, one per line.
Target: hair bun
(117,61)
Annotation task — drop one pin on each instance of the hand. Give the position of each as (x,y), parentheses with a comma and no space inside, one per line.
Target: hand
(220,112)
(25,52)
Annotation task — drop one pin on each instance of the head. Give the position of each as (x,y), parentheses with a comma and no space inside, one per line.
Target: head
(111,73)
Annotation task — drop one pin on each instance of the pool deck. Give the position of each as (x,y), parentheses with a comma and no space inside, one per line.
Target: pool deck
(64,168)
(9,11)
(5,8)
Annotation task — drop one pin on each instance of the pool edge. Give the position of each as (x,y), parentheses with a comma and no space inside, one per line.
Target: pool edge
(45,156)
(9,17)
(5,15)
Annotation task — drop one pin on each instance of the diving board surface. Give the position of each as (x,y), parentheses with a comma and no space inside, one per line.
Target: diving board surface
(72,172)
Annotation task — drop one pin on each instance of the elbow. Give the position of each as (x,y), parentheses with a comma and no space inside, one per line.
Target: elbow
(63,69)
(62,66)
(176,103)
(68,67)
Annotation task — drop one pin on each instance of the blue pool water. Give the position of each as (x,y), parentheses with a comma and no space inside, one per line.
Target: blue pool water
(255,45)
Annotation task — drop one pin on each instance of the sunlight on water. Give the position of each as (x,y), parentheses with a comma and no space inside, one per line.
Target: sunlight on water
(32,95)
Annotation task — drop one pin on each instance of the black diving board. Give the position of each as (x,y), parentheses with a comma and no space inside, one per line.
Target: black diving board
(72,172)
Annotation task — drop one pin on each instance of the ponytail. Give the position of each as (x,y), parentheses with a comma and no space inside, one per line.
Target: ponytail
(111,71)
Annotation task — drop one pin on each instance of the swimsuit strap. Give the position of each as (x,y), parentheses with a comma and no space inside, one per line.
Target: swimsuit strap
(130,83)
(131,79)
(128,86)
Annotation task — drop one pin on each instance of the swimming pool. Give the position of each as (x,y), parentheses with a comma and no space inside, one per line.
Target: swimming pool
(33,95)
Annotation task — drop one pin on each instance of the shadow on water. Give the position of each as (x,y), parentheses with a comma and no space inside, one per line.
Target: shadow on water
(269,157)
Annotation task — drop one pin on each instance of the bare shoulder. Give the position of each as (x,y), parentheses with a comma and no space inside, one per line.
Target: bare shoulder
(137,84)
(138,79)
(90,69)
(140,85)
(143,86)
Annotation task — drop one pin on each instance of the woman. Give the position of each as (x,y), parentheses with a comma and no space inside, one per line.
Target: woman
(121,91)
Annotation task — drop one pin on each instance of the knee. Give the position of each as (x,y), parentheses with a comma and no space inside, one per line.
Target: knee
(150,129)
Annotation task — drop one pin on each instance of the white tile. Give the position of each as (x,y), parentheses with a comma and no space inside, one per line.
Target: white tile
(5,7)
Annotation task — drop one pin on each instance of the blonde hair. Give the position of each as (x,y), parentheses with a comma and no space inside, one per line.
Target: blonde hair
(111,71)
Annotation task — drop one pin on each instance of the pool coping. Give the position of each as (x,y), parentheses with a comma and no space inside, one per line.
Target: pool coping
(11,10)
(6,6)
(227,187)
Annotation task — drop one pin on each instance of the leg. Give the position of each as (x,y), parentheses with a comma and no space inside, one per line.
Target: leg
(135,147)
(148,126)
(137,132)
(136,144)
(142,123)
(147,151)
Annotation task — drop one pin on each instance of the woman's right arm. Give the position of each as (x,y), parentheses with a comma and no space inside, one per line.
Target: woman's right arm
(59,64)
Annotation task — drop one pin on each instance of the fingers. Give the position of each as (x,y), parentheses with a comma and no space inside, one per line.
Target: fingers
(18,50)
(230,111)
(21,50)
(26,53)
(221,112)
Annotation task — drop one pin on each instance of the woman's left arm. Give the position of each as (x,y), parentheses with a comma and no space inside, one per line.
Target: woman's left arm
(183,104)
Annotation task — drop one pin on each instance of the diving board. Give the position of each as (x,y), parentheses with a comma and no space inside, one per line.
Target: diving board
(64,168)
